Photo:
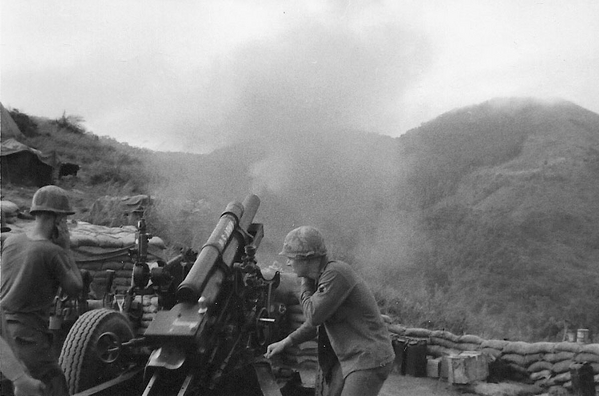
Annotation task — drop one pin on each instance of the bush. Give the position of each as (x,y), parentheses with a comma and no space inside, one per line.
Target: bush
(26,125)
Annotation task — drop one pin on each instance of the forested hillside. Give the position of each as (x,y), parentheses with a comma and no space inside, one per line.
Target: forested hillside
(509,200)
(484,220)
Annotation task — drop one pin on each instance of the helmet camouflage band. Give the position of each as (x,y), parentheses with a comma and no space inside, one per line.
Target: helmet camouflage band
(304,243)
(51,199)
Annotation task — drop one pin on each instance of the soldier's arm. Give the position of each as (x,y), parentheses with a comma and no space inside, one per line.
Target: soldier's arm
(318,306)
(69,275)
(305,332)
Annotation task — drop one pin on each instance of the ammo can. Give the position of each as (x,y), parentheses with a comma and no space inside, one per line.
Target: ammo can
(399,346)
(415,358)
(582,336)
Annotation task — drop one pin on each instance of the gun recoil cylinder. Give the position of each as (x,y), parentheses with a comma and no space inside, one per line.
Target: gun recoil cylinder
(205,277)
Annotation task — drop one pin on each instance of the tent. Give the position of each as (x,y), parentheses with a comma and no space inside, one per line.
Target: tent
(24,165)
(9,128)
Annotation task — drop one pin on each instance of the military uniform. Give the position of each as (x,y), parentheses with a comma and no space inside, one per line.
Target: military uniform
(32,271)
(342,309)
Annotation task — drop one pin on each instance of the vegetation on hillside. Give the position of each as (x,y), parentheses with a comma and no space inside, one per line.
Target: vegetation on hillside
(511,216)
(483,220)
(106,163)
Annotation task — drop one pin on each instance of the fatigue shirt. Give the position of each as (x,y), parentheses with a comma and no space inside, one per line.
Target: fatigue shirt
(31,274)
(344,304)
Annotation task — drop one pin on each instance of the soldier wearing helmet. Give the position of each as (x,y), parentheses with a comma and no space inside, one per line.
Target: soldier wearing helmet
(34,265)
(354,347)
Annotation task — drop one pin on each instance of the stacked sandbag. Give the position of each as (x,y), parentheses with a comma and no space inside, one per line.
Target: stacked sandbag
(522,357)
(98,249)
(547,364)
(86,234)
(443,343)
(396,330)
(493,348)
(469,342)
(539,370)
(295,318)
(304,355)
(561,359)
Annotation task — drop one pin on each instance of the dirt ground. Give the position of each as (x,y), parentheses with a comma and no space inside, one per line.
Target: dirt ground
(405,385)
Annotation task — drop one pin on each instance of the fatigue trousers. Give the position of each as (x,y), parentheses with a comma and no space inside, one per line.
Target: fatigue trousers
(357,383)
(33,347)
(330,381)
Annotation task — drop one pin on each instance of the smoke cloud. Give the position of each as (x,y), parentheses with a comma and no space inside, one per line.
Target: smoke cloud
(314,79)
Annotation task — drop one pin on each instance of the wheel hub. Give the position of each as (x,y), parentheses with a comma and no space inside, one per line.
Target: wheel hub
(108,347)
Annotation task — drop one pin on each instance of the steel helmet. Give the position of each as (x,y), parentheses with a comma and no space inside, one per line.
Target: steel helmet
(304,243)
(51,199)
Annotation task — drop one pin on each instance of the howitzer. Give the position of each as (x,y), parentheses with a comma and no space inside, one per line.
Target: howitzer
(216,325)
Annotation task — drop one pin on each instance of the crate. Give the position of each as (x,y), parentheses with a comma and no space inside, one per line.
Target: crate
(467,367)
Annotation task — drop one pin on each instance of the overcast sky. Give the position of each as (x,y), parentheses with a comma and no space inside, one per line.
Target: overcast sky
(180,75)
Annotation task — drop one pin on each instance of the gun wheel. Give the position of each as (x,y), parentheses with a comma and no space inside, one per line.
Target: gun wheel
(91,353)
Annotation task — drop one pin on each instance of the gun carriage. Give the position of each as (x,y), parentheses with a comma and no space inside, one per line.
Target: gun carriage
(217,316)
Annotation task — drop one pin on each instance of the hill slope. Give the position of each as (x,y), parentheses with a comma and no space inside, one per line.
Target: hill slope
(483,220)
(510,193)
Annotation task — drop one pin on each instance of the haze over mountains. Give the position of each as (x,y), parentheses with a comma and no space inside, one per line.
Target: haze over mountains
(484,219)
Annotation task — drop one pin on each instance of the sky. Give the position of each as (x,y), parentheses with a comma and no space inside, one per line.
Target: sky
(192,75)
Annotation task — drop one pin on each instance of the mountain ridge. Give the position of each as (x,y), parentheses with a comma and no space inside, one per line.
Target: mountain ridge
(482,220)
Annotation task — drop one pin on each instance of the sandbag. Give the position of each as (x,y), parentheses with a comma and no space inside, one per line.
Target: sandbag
(568,347)
(495,344)
(540,366)
(590,348)
(494,353)
(561,367)
(542,347)
(397,329)
(418,332)
(443,342)
(586,357)
(445,335)
(541,374)
(464,346)
(518,347)
(514,358)
(558,356)
(470,339)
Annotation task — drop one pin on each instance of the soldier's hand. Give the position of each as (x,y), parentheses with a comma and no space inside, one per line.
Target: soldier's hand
(61,235)
(28,386)
(277,347)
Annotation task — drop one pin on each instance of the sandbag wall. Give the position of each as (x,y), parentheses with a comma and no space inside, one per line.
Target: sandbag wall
(544,363)
(98,249)
(304,355)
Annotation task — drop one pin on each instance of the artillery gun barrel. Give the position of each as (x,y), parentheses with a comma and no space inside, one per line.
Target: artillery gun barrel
(206,276)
